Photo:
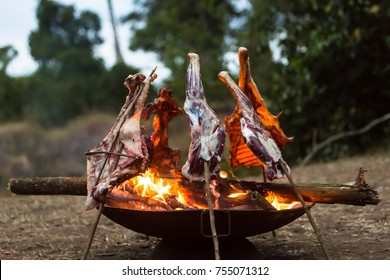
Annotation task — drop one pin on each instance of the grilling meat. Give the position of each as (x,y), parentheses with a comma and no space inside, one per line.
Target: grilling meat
(252,133)
(165,109)
(239,151)
(248,86)
(207,132)
(123,153)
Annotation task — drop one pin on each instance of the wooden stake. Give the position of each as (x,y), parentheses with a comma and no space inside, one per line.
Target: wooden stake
(307,210)
(265,180)
(211,211)
(92,232)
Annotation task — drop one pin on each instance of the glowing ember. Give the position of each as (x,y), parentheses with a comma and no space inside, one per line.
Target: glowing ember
(223,174)
(235,195)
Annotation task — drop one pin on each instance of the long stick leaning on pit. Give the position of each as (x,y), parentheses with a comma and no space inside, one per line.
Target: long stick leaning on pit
(98,215)
(211,211)
(286,171)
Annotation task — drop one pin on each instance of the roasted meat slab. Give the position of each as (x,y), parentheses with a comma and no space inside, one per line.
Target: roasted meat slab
(123,153)
(164,108)
(252,133)
(207,132)
(249,87)
(240,154)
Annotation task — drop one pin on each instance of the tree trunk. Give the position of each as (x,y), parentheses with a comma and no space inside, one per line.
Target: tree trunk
(118,53)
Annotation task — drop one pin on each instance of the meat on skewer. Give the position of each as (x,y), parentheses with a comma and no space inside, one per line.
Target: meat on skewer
(165,109)
(239,151)
(249,87)
(207,132)
(123,153)
(252,132)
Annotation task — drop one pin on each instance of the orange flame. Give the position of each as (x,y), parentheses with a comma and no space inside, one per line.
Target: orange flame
(147,185)
(235,195)
(150,185)
(273,199)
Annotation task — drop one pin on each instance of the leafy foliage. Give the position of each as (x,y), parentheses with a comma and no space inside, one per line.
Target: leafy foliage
(10,97)
(332,75)
(68,74)
(174,28)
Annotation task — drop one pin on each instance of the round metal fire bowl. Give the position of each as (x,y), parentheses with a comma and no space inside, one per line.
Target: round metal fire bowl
(196,223)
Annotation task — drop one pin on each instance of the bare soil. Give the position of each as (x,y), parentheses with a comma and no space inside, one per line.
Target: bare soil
(56,227)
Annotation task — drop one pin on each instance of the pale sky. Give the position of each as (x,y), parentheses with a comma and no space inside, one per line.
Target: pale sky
(17,20)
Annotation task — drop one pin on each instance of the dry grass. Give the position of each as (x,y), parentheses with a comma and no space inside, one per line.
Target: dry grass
(56,227)
(27,149)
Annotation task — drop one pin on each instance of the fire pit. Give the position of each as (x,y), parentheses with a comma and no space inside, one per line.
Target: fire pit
(194,223)
(190,229)
(134,179)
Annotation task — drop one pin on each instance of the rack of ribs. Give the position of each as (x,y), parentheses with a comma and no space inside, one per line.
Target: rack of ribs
(252,134)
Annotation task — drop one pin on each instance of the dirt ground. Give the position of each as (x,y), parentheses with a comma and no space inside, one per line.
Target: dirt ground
(56,227)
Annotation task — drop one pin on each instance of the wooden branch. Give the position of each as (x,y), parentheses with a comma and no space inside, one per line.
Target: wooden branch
(49,186)
(350,194)
(118,53)
(345,134)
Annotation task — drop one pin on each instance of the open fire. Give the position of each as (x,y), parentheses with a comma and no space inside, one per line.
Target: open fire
(132,169)
(167,193)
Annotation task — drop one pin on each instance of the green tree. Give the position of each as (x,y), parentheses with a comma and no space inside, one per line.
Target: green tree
(69,75)
(259,27)
(7,54)
(61,30)
(333,76)
(10,93)
(172,29)
(113,93)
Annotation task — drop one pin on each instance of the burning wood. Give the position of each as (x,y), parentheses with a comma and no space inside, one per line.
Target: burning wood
(357,193)
(178,194)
